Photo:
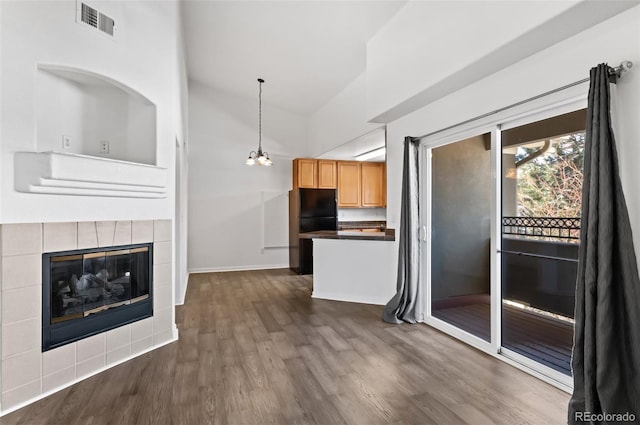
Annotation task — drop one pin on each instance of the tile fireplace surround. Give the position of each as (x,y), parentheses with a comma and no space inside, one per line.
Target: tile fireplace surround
(27,372)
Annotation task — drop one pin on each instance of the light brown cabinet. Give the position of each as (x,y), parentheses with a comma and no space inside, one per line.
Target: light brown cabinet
(314,173)
(305,173)
(359,184)
(373,184)
(349,184)
(327,174)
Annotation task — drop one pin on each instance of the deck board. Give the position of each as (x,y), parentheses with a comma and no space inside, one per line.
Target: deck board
(544,339)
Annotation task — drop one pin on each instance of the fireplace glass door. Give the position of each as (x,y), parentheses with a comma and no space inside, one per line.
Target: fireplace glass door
(84,284)
(94,290)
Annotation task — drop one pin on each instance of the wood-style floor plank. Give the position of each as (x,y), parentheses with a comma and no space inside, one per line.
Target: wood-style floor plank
(255,348)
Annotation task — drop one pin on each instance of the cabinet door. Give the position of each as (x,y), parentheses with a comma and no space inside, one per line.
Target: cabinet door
(305,173)
(348,184)
(327,174)
(373,184)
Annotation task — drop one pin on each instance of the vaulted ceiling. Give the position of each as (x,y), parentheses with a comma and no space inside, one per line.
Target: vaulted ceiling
(306,51)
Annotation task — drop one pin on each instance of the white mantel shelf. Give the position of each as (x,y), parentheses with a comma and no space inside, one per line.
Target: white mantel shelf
(61,173)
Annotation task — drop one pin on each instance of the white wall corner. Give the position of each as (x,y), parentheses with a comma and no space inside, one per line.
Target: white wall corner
(342,119)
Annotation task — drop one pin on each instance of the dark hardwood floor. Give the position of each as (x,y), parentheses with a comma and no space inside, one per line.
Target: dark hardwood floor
(254,348)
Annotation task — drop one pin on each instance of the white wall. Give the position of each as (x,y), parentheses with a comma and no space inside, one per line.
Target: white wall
(342,119)
(431,49)
(142,56)
(181,114)
(54,121)
(362,214)
(225,209)
(90,113)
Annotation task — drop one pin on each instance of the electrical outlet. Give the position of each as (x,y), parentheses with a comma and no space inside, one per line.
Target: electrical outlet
(66,142)
(104,146)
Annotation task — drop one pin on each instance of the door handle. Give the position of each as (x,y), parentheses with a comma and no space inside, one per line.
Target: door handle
(423,233)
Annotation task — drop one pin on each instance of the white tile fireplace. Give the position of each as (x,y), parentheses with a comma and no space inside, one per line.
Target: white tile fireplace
(27,372)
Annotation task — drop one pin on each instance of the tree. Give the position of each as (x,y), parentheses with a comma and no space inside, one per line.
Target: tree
(551,184)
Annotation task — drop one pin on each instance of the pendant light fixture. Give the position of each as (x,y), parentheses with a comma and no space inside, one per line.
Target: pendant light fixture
(259,157)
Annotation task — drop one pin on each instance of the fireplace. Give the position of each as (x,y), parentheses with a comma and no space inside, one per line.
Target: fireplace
(86,292)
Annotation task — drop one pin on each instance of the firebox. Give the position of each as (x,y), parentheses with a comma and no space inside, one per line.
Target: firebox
(86,292)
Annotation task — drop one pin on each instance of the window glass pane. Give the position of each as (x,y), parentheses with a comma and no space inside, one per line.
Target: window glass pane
(461,236)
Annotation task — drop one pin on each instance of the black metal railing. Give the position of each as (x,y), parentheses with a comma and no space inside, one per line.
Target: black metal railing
(543,227)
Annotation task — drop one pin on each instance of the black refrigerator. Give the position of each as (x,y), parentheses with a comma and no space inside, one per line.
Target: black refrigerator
(309,210)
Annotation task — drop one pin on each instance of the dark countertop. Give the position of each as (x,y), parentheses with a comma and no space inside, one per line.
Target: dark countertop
(387,235)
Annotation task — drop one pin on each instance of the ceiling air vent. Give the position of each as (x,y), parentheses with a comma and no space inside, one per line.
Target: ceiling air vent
(91,16)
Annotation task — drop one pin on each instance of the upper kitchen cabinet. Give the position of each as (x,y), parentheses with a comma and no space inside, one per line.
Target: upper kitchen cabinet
(327,174)
(373,193)
(359,184)
(314,173)
(305,173)
(349,184)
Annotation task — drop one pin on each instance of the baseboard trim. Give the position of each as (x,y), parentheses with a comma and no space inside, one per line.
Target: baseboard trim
(238,268)
(77,380)
(181,297)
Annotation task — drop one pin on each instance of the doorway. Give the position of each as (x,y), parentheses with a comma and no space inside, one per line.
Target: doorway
(502,231)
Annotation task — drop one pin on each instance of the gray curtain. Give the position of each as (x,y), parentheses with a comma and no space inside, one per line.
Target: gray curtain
(606,352)
(403,307)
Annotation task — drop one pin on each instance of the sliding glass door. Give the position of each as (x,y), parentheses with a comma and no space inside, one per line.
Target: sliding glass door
(501,236)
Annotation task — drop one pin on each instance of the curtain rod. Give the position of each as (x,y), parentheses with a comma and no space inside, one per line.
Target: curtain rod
(617,71)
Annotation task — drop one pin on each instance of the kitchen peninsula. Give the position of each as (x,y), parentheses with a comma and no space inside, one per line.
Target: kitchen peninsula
(354,266)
